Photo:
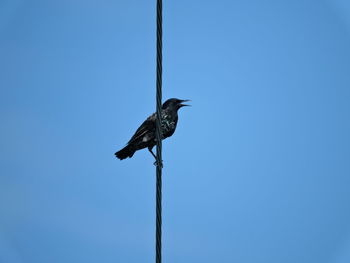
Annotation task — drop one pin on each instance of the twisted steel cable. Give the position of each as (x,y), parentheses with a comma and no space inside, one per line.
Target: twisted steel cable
(159,136)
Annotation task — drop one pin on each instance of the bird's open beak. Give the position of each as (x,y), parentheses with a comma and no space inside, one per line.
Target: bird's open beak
(182,105)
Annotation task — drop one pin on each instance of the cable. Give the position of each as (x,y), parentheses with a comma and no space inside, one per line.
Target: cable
(159,136)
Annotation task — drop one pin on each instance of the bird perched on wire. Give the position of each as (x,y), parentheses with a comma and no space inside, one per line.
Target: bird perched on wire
(145,135)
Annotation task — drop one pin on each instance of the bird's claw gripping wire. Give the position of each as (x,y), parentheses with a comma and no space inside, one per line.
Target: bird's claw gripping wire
(155,157)
(156,163)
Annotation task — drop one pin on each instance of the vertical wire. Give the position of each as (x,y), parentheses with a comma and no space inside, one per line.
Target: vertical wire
(159,136)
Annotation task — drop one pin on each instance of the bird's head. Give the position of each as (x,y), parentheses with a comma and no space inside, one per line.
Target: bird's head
(174,104)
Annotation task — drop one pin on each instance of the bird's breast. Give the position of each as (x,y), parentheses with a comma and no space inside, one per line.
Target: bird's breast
(168,125)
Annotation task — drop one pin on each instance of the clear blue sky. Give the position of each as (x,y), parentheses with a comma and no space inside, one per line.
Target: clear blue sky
(257,171)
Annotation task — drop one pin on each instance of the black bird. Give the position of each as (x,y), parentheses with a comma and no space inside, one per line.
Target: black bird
(145,135)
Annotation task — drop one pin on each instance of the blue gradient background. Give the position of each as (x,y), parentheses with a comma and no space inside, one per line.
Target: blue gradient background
(257,171)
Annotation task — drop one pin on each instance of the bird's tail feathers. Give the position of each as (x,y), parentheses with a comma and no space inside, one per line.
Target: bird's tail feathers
(124,153)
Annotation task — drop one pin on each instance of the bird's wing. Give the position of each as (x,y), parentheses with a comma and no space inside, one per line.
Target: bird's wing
(146,127)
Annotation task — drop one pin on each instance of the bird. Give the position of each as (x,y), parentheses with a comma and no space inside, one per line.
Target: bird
(145,135)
